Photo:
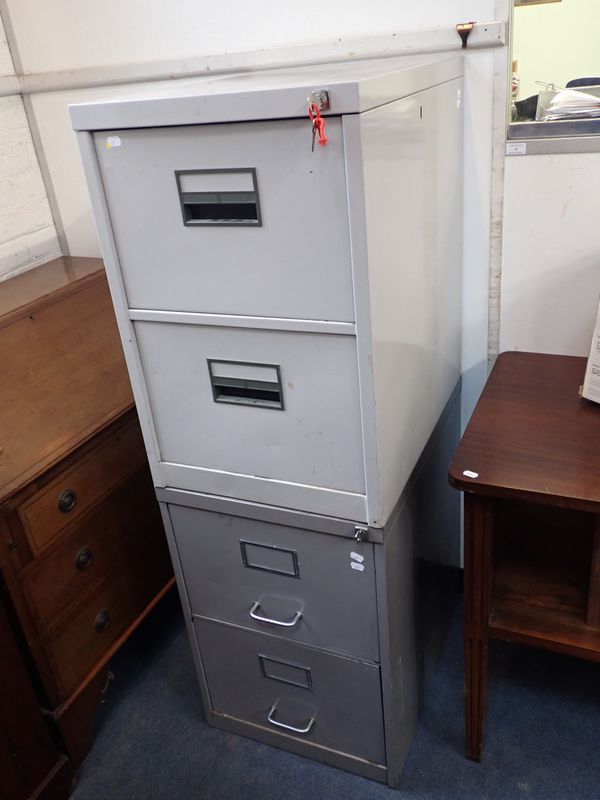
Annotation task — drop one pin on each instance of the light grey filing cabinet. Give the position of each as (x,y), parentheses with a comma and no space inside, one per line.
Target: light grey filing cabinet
(291,321)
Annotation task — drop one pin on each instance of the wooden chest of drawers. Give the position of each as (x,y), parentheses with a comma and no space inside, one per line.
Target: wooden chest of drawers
(31,765)
(83,557)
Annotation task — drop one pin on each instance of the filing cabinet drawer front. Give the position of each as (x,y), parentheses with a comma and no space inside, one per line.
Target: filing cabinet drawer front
(319,698)
(72,493)
(179,252)
(310,434)
(312,587)
(119,534)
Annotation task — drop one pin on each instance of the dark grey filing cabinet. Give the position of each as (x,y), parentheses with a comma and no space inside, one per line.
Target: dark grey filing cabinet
(291,321)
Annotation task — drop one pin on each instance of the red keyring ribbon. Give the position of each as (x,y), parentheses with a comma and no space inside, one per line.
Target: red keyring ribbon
(318,122)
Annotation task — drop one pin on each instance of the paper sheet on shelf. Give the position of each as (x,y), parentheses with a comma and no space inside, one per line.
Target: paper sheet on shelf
(569,103)
(591,383)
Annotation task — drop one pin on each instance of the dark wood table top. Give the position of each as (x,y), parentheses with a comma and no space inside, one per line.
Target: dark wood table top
(531,436)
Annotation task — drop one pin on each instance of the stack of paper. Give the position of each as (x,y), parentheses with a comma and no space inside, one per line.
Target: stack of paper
(591,383)
(571,104)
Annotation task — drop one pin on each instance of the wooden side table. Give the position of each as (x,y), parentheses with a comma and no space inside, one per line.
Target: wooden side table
(529,464)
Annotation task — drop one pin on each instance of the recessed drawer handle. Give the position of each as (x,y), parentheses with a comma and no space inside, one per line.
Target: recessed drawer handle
(246,383)
(273,721)
(102,621)
(84,558)
(290,624)
(219,197)
(67,500)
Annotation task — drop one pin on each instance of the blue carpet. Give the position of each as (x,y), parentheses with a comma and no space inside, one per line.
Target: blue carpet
(542,740)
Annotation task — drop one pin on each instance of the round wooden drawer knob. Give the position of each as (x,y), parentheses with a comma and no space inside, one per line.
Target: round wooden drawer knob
(102,621)
(84,558)
(67,500)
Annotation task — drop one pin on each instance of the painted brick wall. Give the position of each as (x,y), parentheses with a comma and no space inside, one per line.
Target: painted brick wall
(27,232)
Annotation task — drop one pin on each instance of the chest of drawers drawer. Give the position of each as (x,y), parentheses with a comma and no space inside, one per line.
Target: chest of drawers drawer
(95,624)
(75,490)
(118,534)
(278,579)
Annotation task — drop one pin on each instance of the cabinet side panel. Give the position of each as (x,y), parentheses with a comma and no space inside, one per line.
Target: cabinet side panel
(413,202)
(394,564)
(417,580)
(362,311)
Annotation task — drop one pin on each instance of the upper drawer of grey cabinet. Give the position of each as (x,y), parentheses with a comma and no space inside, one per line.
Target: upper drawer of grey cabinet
(241,218)
(270,408)
(307,586)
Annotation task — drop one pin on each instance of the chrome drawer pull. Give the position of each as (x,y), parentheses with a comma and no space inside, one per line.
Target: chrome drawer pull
(273,721)
(259,618)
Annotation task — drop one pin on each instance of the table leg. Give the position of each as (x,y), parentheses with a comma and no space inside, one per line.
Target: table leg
(478,552)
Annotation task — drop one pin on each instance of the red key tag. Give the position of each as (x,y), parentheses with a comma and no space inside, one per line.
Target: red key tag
(318,124)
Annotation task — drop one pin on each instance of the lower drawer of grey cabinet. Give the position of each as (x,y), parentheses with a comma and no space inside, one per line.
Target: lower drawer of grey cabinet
(317,697)
(307,586)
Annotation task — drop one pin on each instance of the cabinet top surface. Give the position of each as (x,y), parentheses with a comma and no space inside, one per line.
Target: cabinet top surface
(64,375)
(354,87)
(532,436)
(35,285)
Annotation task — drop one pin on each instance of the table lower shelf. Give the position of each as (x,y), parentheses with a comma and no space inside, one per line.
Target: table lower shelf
(545,606)
(563,631)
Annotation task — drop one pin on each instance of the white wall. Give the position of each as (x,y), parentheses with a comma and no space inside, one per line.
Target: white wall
(555,42)
(71,34)
(551,255)
(551,236)
(27,233)
(6,64)
(479,77)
